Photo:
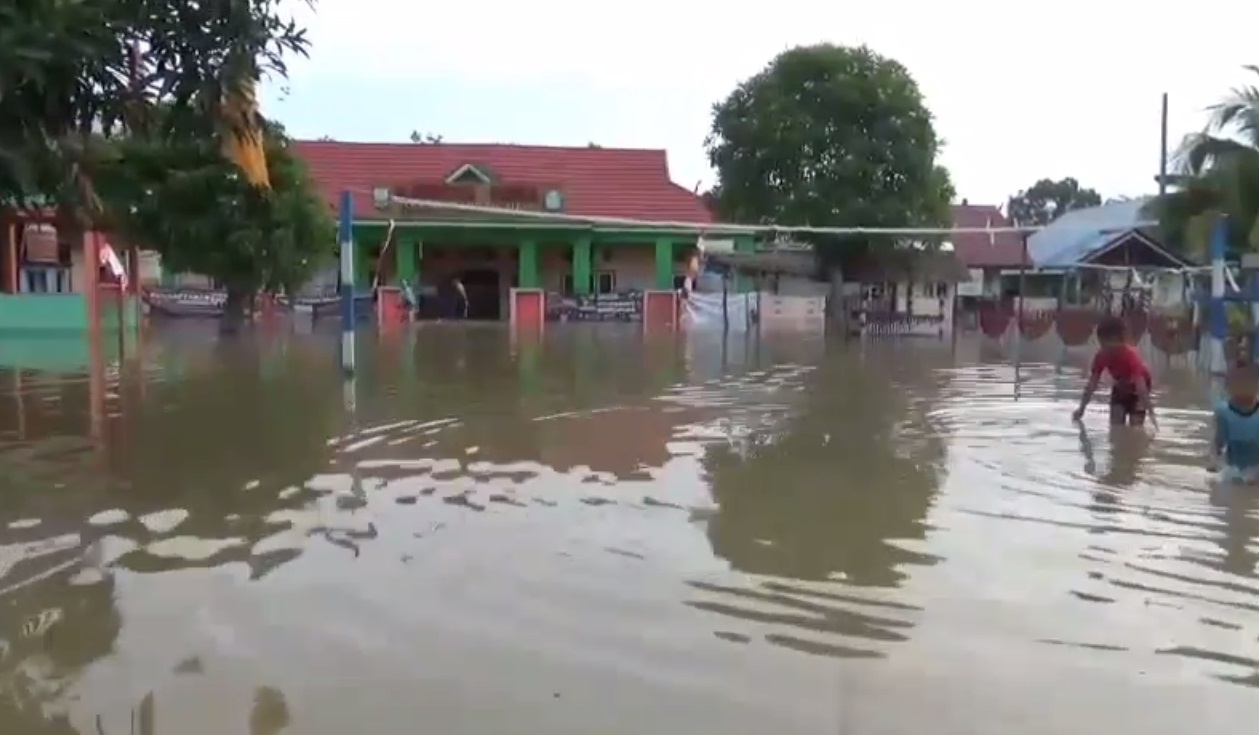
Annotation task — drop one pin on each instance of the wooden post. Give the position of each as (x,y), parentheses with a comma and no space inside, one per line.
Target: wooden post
(10,256)
(133,269)
(18,396)
(91,280)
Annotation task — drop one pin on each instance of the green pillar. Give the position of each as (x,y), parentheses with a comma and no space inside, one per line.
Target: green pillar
(583,278)
(528,274)
(407,262)
(362,279)
(664,264)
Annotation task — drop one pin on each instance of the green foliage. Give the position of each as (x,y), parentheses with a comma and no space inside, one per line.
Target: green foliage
(182,199)
(1219,176)
(829,136)
(1047,200)
(71,70)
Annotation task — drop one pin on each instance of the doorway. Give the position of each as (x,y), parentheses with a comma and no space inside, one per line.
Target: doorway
(484,296)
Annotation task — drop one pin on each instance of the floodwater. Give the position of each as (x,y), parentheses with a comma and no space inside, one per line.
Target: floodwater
(609,533)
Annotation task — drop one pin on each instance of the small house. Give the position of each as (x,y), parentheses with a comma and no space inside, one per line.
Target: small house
(993,260)
(1087,256)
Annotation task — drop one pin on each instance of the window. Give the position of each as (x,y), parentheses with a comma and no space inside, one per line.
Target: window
(874,291)
(566,285)
(936,290)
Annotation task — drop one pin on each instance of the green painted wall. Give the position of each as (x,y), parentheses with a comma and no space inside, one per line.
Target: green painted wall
(50,351)
(43,311)
(130,314)
(61,313)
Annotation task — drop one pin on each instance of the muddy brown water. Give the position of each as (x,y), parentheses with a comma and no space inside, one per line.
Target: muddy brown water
(611,534)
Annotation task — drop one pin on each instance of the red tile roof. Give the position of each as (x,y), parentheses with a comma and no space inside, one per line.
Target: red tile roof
(609,182)
(982,250)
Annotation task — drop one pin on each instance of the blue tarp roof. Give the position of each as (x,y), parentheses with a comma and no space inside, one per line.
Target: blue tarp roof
(1073,237)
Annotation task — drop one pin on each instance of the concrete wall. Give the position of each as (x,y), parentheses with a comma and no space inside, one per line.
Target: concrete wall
(802,313)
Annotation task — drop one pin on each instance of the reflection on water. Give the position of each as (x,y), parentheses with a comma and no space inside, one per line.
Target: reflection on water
(610,532)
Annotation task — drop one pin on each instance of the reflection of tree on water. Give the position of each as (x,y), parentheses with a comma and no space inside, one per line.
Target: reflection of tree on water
(832,492)
(214,432)
(270,713)
(50,630)
(586,399)
(222,445)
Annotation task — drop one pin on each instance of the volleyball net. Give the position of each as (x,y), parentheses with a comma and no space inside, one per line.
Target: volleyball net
(1163,307)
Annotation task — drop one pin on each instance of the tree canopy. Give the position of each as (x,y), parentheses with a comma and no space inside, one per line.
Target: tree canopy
(182,199)
(1047,200)
(1218,176)
(73,72)
(829,135)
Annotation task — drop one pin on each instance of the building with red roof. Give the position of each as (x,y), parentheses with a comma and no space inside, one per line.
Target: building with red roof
(988,250)
(990,257)
(565,240)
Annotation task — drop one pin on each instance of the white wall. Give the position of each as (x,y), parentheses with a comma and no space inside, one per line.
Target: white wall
(804,313)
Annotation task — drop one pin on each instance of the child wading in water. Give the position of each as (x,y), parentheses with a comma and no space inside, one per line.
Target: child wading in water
(1132,382)
(1236,442)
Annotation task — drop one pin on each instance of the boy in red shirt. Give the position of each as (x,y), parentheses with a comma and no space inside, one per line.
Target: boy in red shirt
(1131,379)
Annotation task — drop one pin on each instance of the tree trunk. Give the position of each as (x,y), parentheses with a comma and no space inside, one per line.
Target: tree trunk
(838,311)
(234,310)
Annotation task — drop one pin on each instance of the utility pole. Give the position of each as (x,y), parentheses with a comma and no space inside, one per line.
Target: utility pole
(1162,151)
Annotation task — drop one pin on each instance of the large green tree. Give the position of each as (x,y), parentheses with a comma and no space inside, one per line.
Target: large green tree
(1218,175)
(829,135)
(71,72)
(182,199)
(1047,200)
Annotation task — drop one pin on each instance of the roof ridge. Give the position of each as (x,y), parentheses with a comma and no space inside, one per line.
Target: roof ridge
(452,144)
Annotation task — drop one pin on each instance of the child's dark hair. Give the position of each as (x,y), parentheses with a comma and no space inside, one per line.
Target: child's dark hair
(1112,329)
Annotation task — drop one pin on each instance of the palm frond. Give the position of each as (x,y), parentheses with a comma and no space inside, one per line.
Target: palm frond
(1199,152)
(1238,114)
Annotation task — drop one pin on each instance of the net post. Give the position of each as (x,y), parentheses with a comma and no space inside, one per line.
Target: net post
(527,311)
(1218,316)
(349,317)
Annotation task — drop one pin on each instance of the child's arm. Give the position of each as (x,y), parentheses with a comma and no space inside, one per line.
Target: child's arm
(1095,378)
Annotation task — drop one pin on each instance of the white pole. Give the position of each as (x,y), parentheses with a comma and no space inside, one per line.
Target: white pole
(1219,320)
(349,317)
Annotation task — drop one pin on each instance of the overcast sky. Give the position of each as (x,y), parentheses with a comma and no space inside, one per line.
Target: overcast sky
(1020,92)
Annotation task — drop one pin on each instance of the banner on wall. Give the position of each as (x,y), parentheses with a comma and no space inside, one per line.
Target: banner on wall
(714,311)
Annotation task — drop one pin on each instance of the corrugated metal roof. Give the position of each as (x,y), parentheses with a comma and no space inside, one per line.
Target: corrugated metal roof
(1073,237)
(884,266)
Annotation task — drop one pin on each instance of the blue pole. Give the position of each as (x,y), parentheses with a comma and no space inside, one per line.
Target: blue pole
(1218,316)
(349,319)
